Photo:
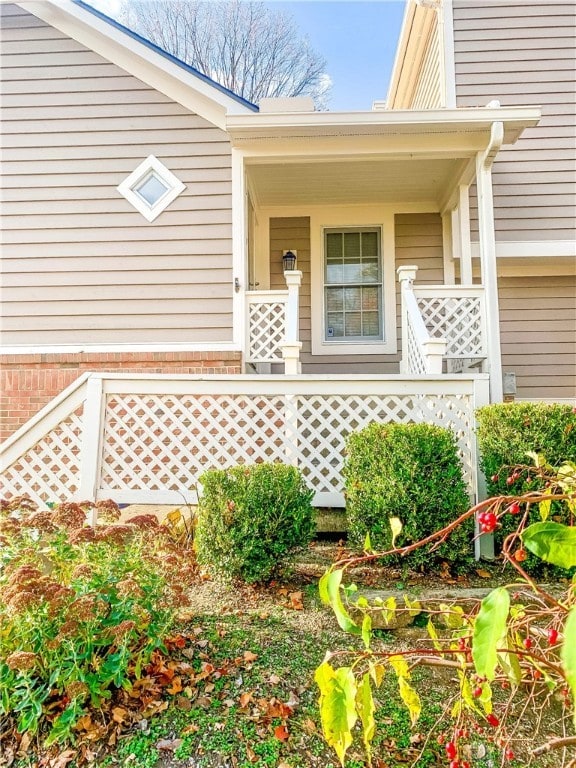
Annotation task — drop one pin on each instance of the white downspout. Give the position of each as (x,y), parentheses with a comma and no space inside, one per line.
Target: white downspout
(487,243)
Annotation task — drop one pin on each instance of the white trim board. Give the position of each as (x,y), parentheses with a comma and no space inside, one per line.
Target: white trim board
(51,349)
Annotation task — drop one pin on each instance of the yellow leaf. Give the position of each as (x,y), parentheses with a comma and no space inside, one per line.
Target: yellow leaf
(410,698)
(396,526)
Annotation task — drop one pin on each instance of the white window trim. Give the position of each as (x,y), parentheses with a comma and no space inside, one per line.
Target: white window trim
(146,167)
(367,216)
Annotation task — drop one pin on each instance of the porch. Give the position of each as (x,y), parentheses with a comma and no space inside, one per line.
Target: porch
(384,215)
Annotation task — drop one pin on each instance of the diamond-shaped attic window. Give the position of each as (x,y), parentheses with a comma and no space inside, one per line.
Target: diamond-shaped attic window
(151,187)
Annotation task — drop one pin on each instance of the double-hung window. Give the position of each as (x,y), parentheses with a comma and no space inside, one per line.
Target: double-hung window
(353,310)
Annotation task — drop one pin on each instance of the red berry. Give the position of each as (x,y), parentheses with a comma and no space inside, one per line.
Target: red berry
(509,480)
(477,692)
(527,643)
(465,764)
(494,478)
(509,754)
(454,764)
(514,508)
(451,750)
(493,720)
(441,739)
(552,636)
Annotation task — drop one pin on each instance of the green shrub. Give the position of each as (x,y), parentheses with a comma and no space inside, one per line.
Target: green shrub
(506,433)
(409,471)
(81,611)
(250,518)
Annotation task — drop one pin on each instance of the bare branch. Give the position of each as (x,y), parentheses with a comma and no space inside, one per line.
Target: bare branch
(255,51)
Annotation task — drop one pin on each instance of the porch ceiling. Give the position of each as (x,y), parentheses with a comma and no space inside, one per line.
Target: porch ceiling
(342,182)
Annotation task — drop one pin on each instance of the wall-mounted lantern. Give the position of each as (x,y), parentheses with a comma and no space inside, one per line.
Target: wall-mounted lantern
(289,261)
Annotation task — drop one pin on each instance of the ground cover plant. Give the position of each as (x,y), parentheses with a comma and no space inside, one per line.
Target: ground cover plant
(520,639)
(82,613)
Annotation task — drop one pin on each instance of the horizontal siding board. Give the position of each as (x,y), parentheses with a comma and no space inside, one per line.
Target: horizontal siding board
(80,264)
(538,330)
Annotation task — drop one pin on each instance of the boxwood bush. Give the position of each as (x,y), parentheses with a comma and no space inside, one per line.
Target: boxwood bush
(409,471)
(250,518)
(506,433)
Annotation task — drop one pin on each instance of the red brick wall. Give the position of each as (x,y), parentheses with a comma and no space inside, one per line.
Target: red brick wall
(28,382)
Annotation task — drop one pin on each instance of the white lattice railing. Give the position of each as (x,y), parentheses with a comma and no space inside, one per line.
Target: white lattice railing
(441,322)
(273,325)
(457,315)
(148,438)
(266,326)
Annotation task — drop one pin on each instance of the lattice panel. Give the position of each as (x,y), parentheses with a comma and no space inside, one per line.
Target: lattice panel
(267,324)
(458,321)
(165,443)
(160,443)
(324,422)
(50,470)
(415,359)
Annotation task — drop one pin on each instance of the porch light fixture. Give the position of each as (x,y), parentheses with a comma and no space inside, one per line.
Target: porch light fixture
(289,261)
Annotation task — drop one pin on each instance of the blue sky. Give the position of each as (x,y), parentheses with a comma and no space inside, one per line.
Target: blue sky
(356,37)
(358,40)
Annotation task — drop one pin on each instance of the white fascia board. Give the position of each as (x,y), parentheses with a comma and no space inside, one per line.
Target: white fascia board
(137,59)
(254,125)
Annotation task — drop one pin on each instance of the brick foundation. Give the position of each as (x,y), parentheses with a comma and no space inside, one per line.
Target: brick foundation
(29,382)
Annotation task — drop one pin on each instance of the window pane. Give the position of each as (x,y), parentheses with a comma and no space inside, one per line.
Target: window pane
(353,324)
(151,189)
(370,324)
(370,245)
(334,299)
(352,299)
(370,299)
(335,325)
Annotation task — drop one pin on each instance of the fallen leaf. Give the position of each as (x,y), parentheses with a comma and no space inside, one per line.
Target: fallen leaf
(251,755)
(63,759)
(119,714)
(249,656)
(182,702)
(281,732)
(296,601)
(190,729)
(274,679)
(483,574)
(176,686)
(245,698)
(170,745)
(309,725)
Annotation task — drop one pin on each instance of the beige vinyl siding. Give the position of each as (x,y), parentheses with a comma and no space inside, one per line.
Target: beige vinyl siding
(418,239)
(524,52)
(428,91)
(538,329)
(80,265)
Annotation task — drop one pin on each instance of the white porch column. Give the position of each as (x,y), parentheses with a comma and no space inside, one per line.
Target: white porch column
(464,235)
(447,249)
(406,277)
(487,243)
(292,345)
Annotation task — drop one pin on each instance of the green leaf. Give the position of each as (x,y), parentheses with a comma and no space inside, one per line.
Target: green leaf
(414,607)
(367,630)
(337,706)
(377,672)
(545,505)
(453,615)
(552,542)
(396,526)
(365,707)
(568,654)
(368,543)
(410,698)
(433,635)
(489,629)
(329,588)
(511,666)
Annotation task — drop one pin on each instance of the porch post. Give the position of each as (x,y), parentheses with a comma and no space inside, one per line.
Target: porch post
(292,345)
(406,276)
(464,235)
(91,444)
(487,243)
